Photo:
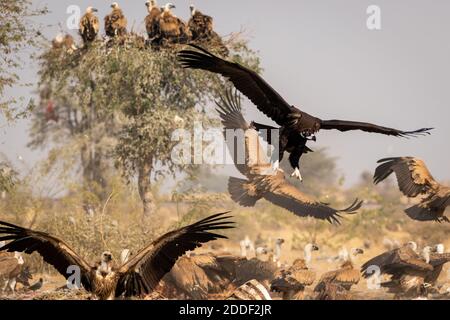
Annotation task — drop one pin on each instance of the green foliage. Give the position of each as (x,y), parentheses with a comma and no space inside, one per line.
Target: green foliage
(16,33)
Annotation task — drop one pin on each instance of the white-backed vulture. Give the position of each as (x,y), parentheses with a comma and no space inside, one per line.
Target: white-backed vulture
(250,159)
(407,269)
(115,22)
(251,290)
(201,28)
(296,126)
(415,179)
(152,21)
(172,28)
(137,277)
(336,284)
(291,282)
(89,25)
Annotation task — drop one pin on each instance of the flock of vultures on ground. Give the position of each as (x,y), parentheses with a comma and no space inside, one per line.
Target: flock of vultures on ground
(412,271)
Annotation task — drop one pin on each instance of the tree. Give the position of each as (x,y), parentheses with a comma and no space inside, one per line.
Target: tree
(118,100)
(16,33)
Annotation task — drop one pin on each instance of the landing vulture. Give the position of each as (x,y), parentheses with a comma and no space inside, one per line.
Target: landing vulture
(137,277)
(261,182)
(414,179)
(89,25)
(115,22)
(295,125)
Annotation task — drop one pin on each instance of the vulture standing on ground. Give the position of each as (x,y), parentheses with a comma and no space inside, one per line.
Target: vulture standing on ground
(173,29)
(137,277)
(296,126)
(259,183)
(89,25)
(336,284)
(115,22)
(407,269)
(12,270)
(152,21)
(414,179)
(202,30)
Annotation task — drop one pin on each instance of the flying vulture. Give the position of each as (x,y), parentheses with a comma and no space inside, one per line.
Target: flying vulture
(137,277)
(295,125)
(407,269)
(414,179)
(172,28)
(291,282)
(152,21)
(115,22)
(261,181)
(89,25)
(337,283)
(201,28)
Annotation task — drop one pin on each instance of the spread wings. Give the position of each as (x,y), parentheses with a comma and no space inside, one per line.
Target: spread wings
(53,250)
(245,80)
(143,271)
(412,174)
(344,125)
(397,260)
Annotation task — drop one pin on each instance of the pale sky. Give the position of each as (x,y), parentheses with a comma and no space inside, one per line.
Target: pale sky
(320,55)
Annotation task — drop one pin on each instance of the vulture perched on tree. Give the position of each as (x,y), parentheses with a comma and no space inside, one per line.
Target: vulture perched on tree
(173,29)
(414,179)
(261,182)
(202,31)
(137,277)
(115,22)
(152,21)
(336,284)
(291,282)
(296,126)
(64,41)
(89,25)
(407,269)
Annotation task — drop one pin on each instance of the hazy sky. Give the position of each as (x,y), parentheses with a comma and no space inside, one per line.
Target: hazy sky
(320,55)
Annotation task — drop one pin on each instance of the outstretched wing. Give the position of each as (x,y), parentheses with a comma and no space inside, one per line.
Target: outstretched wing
(288,197)
(53,250)
(397,260)
(245,80)
(343,125)
(142,273)
(412,174)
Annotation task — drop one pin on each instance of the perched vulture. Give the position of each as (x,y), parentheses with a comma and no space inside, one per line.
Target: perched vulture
(261,182)
(337,283)
(137,277)
(64,42)
(295,125)
(407,269)
(89,25)
(202,31)
(173,29)
(291,282)
(115,22)
(152,21)
(414,179)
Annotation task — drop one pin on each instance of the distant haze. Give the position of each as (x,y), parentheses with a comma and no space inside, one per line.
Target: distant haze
(322,58)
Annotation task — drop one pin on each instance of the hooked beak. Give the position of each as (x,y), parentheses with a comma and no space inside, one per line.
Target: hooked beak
(94,10)
(312,138)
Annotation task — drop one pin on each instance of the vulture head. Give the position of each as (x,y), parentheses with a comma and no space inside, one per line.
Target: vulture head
(412,245)
(106,262)
(169,6)
(91,10)
(19,257)
(192,8)
(439,248)
(279,241)
(115,5)
(308,249)
(357,251)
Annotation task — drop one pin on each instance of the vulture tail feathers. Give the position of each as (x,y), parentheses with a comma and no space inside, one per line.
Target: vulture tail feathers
(355,206)
(240,194)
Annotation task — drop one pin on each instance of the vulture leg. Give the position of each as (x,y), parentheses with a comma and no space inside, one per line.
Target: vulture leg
(294,159)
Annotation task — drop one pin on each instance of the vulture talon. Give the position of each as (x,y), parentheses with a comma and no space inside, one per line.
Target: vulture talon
(297,174)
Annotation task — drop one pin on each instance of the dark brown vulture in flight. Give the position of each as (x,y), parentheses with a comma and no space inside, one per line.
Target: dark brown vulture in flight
(152,21)
(261,181)
(115,22)
(414,179)
(137,277)
(202,30)
(89,25)
(172,28)
(295,125)
(407,269)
